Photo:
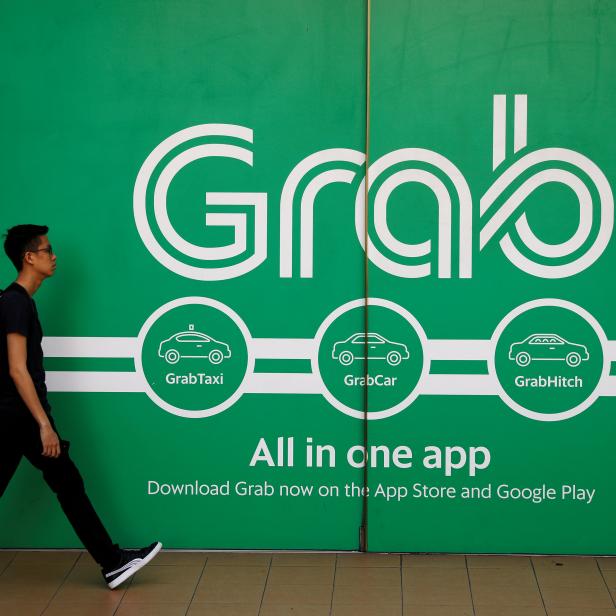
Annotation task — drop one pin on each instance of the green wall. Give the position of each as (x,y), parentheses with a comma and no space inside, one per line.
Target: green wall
(490,217)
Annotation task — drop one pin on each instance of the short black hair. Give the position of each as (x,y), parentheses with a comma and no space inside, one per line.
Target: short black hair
(20,239)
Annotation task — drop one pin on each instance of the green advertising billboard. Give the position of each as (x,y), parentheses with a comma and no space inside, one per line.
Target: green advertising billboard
(331,276)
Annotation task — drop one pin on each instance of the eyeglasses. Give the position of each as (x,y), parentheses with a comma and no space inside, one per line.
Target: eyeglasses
(47,249)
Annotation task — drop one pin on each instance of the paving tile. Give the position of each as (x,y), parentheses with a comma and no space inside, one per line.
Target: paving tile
(565,577)
(305,575)
(21,608)
(238,558)
(434,575)
(368,560)
(434,560)
(34,570)
(368,576)
(150,609)
(437,594)
(606,563)
(222,609)
(459,582)
(505,596)
(509,611)
(168,574)
(229,592)
(576,611)
(573,563)
(300,584)
(90,595)
(498,562)
(6,556)
(32,593)
(366,610)
(558,596)
(31,583)
(165,557)
(79,609)
(85,560)
(298,594)
(47,558)
(523,577)
(303,560)
(82,587)
(610,577)
(438,610)
(371,596)
(159,593)
(294,610)
(238,574)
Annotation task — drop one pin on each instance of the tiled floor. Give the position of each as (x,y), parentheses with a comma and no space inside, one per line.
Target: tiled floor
(249,584)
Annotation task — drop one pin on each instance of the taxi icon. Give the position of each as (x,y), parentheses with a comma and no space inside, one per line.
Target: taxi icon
(377,347)
(547,347)
(193,344)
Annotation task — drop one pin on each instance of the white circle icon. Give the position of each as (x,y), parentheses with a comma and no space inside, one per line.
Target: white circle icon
(523,359)
(392,360)
(215,357)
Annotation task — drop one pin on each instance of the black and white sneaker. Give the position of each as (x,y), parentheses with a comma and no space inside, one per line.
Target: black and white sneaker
(130,562)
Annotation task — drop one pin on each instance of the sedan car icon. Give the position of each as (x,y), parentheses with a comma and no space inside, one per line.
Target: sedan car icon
(377,347)
(193,344)
(547,347)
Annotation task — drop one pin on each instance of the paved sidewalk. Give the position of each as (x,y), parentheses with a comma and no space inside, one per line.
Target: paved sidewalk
(68,583)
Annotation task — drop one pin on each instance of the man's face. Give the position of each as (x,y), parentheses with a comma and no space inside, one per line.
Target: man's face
(43,260)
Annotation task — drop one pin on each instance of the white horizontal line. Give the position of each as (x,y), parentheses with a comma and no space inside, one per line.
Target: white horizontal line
(459,349)
(262,383)
(609,387)
(120,382)
(259,383)
(459,385)
(267,348)
(283,383)
(263,348)
(89,347)
(283,348)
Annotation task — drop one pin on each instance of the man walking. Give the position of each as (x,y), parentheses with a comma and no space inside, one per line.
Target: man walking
(26,426)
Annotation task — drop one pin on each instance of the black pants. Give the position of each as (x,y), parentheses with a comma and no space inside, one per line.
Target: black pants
(20,436)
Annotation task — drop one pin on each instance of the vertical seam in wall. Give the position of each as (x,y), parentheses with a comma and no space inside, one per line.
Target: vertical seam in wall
(364,522)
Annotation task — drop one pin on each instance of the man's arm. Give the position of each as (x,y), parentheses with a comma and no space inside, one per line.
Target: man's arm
(18,369)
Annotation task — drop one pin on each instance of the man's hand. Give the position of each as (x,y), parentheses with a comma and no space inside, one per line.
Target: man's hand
(50,441)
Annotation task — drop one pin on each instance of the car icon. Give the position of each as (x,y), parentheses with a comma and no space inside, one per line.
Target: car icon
(193,344)
(378,347)
(547,347)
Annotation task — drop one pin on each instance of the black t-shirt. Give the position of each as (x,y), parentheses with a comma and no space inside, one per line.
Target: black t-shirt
(18,315)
